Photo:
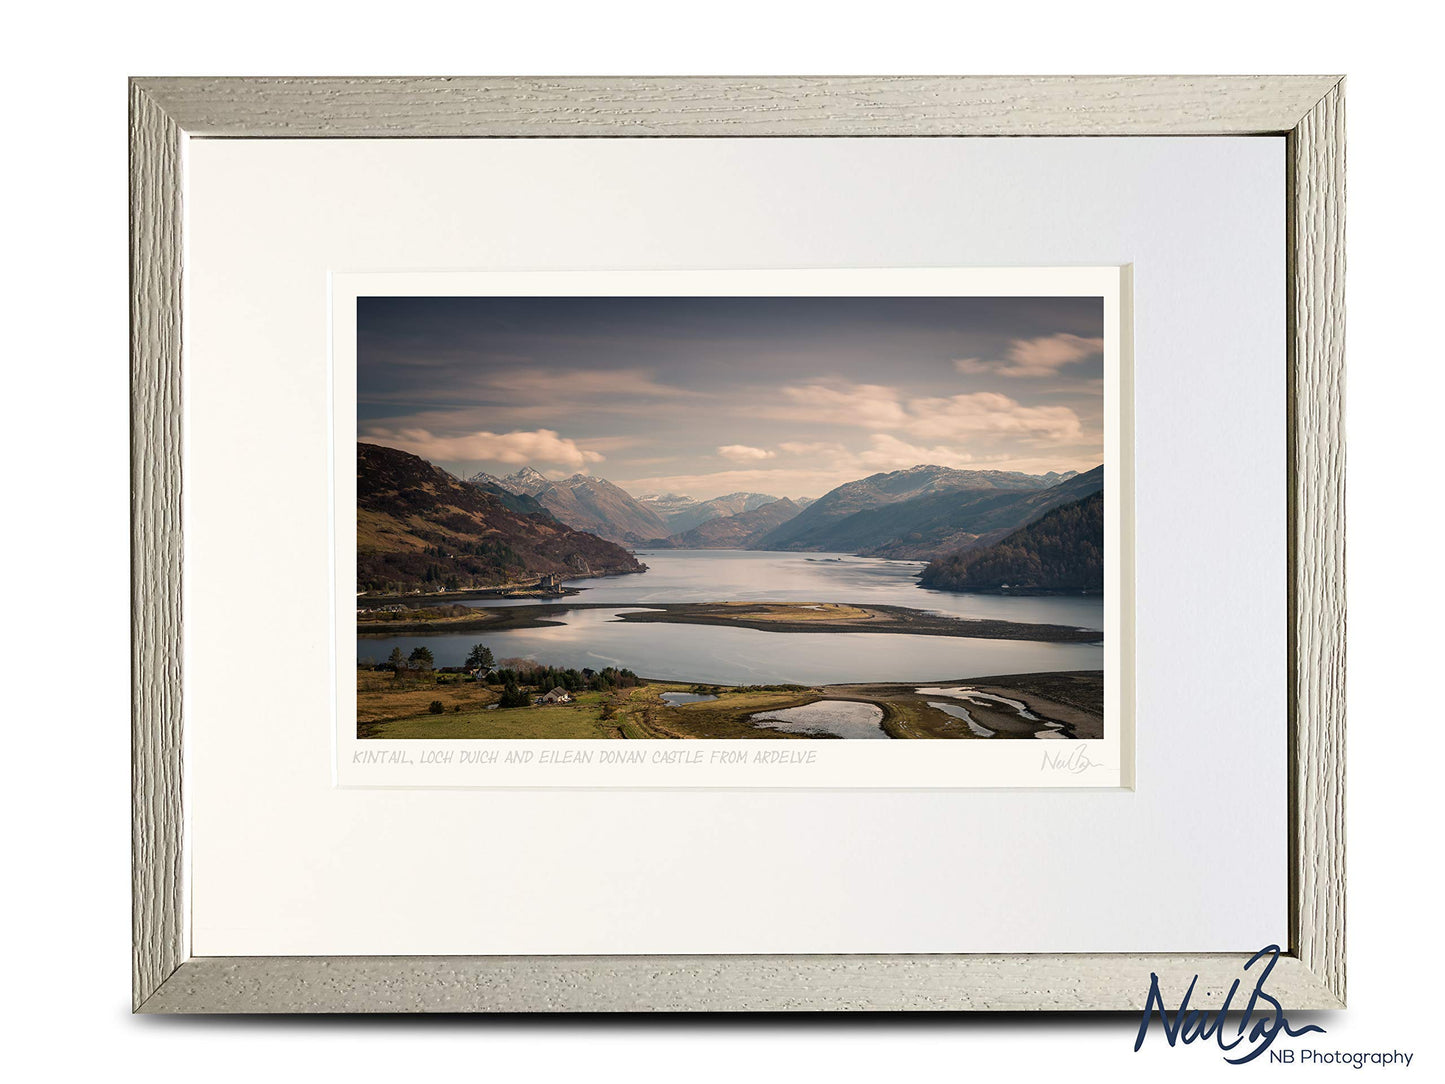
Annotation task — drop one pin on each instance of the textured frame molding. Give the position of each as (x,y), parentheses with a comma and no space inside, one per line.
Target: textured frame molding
(164,113)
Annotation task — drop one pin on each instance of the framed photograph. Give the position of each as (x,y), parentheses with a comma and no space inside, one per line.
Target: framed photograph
(736,546)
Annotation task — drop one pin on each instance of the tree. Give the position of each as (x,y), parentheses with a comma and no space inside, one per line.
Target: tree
(422,657)
(513,697)
(395,659)
(480,658)
(436,707)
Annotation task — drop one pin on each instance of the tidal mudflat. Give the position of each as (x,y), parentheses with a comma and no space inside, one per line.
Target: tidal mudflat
(1028,706)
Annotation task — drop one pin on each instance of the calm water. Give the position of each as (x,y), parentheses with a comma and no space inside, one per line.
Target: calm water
(705,653)
(838,718)
(962,713)
(686,698)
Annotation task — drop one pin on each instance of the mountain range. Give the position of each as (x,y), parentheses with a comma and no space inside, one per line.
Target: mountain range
(419,527)
(739,531)
(917,514)
(944,523)
(682,513)
(584,502)
(880,508)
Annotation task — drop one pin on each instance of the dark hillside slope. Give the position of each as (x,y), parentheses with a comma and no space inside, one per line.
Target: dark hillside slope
(418,527)
(1062,551)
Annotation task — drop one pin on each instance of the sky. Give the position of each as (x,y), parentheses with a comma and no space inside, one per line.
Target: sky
(790,396)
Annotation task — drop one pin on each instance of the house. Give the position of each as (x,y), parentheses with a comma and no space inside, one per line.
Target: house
(558,695)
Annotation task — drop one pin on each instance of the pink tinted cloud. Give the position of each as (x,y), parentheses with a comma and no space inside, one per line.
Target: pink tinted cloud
(1043,356)
(517,448)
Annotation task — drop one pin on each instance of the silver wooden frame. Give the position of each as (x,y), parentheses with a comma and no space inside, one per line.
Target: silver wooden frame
(165,113)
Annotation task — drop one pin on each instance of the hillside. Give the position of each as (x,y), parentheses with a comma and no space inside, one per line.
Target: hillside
(1061,551)
(821,525)
(942,524)
(419,527)
(585,503)
(517,502)
(738,531)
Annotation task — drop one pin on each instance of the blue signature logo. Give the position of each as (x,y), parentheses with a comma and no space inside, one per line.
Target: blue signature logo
(1189,1025)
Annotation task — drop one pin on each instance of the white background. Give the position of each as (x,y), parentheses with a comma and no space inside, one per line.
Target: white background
(66,511)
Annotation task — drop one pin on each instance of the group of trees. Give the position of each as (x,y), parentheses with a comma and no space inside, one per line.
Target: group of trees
(513,696)
(574,681)
(516,680)
(420,658)
(489,552)
(515,676)
(435,575)
(470,564)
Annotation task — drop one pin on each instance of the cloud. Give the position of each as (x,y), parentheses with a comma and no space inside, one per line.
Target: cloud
(743,453)
(873,406)
(515,448)
(886,453)
(780,482)
(618,443)
(539,386)
(986,413)
(953,418)
(1042,356)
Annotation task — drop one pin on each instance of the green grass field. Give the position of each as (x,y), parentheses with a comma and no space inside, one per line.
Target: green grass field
(386,708)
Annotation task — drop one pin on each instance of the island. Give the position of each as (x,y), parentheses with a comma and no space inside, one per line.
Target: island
(781,617)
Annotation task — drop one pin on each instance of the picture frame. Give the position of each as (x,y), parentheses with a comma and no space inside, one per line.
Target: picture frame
(165,113)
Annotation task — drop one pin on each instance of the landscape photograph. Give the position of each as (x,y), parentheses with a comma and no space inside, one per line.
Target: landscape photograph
(624,518)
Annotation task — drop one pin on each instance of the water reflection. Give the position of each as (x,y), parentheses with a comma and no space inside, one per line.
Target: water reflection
(962,713)
(835,718)
(1047,728)
(736,656)
(757,575)
(686,698)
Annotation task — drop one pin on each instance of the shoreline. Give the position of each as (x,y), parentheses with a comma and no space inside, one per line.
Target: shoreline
(759,616)
(847,617)
(475,594)
(528,589)
(1074,698)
